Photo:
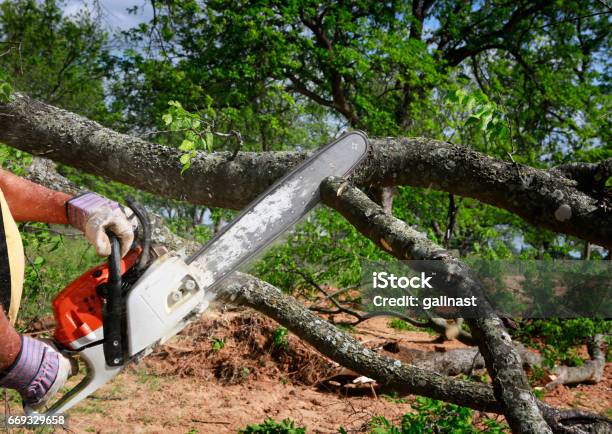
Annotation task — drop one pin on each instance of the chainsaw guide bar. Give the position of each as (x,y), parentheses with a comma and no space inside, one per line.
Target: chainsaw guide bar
(276,210)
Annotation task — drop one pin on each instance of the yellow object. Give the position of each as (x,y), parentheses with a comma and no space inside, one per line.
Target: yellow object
(15,256)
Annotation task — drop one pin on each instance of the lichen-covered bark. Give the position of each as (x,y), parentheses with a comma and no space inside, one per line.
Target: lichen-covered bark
(548,199)
(44,172)
(502,360)
(544,198)
(405,379)
(345,350)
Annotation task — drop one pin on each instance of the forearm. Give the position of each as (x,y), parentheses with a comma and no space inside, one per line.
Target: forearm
(32,202)
(11,342)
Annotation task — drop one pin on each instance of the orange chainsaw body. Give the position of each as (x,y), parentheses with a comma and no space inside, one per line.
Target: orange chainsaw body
(78,308)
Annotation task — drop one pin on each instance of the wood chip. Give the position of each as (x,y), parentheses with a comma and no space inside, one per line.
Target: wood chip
(385,244)
(342,188)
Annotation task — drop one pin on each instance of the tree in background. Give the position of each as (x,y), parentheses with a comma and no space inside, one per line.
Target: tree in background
(57,59)
(525,82)
(386,67)
(520,80)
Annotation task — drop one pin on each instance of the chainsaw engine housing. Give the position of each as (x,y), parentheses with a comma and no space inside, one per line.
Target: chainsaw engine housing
(78,308)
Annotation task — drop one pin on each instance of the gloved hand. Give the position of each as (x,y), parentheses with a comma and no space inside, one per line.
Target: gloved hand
(38,373)
(94,215)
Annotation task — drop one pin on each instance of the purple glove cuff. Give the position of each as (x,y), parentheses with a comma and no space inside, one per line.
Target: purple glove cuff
(79,208)
(33,372)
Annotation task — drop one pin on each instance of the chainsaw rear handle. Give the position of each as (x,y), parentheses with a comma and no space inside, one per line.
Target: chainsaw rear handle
(98,374)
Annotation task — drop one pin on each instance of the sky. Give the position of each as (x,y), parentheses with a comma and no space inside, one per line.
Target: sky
(114,12)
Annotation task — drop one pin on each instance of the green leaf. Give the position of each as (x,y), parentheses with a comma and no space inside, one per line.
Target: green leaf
(185,167)
(485,120)
(471,103)
(186,145)
(460,95)
(209,141)
(472,120)
(6,92)
(504,132)
(167,118)
(185,158)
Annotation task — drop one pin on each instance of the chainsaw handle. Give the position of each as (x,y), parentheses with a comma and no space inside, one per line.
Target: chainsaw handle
(113,308)
(145,225)
(114,260)
(98,374)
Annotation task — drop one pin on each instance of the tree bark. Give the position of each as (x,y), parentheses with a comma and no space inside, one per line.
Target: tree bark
(455,361)
(403,378)
(545,198)
(503,362)
(591,371)
(347,351)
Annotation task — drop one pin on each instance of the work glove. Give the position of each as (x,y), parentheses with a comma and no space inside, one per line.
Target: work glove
(38,373)
(94,215)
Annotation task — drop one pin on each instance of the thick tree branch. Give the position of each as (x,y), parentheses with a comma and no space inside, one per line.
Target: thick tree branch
(399,239)
(591,177)
(543,198)
(345,350)
(349,352)
(392,374)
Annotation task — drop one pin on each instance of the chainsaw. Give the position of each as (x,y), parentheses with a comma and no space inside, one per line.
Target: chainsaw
(117,312)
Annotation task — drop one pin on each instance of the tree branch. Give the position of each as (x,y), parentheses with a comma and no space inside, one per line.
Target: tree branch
(344,349)
(400,240)
(591,177)
(392,374)
(543,198)
(349,352)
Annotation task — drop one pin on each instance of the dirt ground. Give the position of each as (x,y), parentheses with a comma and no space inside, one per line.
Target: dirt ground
(225,372)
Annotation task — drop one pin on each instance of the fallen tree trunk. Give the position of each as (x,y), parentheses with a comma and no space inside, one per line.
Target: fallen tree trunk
(456,361)
(545,198)
(467,360)
(342,348)
(590,372)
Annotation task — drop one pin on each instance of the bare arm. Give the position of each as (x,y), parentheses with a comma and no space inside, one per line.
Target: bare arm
(32,202)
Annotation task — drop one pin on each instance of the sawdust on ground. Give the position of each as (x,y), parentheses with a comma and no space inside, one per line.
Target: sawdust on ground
(187,386)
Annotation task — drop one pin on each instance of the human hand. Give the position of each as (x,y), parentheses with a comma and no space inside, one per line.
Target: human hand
(94,215)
